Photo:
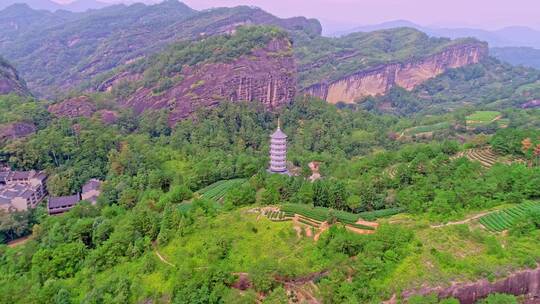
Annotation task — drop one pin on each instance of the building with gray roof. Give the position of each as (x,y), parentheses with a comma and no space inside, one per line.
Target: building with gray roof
(21,190)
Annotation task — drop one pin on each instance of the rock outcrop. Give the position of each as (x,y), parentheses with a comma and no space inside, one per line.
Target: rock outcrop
(10,82)
(267,75)
(408,74)
(107,117)
(531,104)
(72,108)
(526,282)
(16,130)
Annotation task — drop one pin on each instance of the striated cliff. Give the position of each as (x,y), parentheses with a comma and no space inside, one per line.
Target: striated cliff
(407,74)
(525,282)
(266,75)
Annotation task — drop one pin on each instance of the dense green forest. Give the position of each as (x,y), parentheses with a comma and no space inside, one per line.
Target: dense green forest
(154,176)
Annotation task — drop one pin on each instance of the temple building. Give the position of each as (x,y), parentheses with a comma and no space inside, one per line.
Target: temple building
(21,190)
(90,193)
(278,151)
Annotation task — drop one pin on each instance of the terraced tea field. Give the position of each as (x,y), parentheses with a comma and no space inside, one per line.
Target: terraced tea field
(505,219)
(313,216)
(485,156)
(217,190)
(426,128)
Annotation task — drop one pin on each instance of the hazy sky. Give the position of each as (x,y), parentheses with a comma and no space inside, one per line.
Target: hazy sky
(487,14)
(478,13)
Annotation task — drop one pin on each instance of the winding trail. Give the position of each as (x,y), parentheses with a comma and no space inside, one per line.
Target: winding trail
(465,221)
(161,258)
(18,241)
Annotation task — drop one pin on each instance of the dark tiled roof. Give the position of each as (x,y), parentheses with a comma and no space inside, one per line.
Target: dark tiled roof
(19,175)
(56,202)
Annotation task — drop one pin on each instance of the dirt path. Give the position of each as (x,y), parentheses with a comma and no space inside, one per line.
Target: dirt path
(19,241)
(161,258)
(358,230)
(465,221)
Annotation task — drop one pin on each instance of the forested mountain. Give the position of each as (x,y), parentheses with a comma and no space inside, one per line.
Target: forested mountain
(524,56)
(57,51)
(512,36)
(10,82)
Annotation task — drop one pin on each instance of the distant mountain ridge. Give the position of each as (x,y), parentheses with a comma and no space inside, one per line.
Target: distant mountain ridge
(525,56)
(75,6)
(61,50)
(515,36)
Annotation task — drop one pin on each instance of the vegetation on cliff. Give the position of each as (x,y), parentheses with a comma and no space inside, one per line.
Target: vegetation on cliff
(491,84)
(163,70)
(10,82)
(323,59)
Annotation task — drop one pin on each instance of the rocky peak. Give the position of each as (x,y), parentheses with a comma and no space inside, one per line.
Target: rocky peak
(406,74)
(266,75)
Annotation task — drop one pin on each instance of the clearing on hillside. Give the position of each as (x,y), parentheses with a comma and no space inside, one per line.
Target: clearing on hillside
(426,128)
(217,190)
(482,118)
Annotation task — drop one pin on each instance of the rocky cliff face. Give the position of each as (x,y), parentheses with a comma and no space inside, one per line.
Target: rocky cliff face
(407,74)
(267,75)
(16,130)
(526,282)
(10,82)
(72,108)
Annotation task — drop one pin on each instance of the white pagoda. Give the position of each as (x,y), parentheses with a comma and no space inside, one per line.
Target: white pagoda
(278,151)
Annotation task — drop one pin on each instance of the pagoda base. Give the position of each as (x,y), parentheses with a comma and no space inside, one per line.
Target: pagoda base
(279,172)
